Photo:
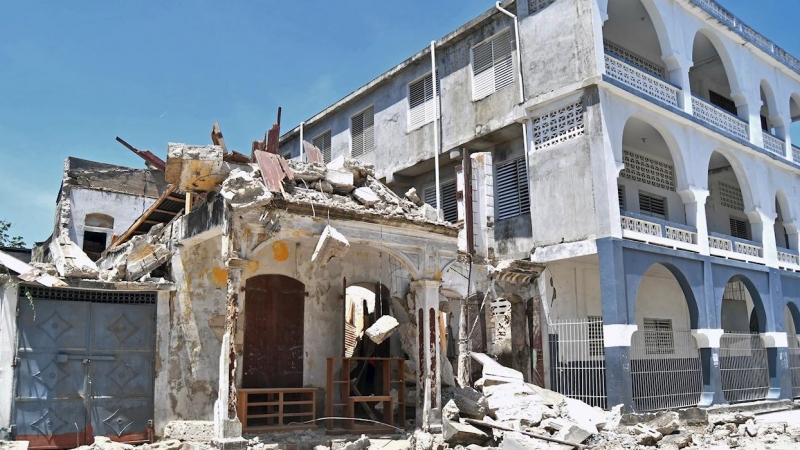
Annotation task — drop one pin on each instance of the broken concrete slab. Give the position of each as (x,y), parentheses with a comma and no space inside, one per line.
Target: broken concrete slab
(313,154)
(413,196)
(495,373)
(457,433)
(144,258)
(331,244)
(446,370)
(195,168)
(646,435)
(470,402)
(366,196)
(190,430)
(243,190)
(382,329)
(70,260)
(677,440)
(341,180)
(408,340)
(666,422)
(360,170)
(518,441)
(307,171)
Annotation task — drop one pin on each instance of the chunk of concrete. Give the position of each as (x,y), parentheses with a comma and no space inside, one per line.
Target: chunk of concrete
(360,170)
(331,244)
(446,371)
(341,180)
(242,190)
(666,422)
(322,186)
(70,260)
(190,430)
(361,443)
(195,168)
(144,258)
(307,171)
(646,435)
(573,433)
(413,196)
(382,329)
(366,196)
(457,433)
(518,441)
(677,440)
(408,340)
(494,372)
(469,401)
(399,311)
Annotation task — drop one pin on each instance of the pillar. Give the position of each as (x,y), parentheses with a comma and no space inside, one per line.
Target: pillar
(694,200)
(618,324)
(762,225)
(708,340)
(678,73)
(776,340)
(429,385)
(749,108)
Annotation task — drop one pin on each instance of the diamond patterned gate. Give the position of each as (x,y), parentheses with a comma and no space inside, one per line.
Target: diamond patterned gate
(84,366)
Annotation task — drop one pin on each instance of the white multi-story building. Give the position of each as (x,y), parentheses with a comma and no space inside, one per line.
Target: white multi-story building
(641,150)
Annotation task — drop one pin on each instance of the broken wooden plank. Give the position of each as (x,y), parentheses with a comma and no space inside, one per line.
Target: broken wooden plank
(133,228)
(217,139)
(271,170)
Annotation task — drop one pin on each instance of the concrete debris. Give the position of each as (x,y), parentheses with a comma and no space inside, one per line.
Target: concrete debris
(195,168)
(646,435)
(359,169)
(382,329)
(366,196)
(342,181)
(413,197)
(518,441)
(331,244)
(408,340)
(361,443)
(457,433)
(666,422)
(243,190)
(308,171)
(322,186)
(470,402)
(313,154)
(190,430)
(446,371)
(70,260)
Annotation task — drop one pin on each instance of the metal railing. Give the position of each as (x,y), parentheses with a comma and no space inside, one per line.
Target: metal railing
(743,367)
(773,144)
(642,81)
(577,360)
(666,371)
(718,117)
(794,364)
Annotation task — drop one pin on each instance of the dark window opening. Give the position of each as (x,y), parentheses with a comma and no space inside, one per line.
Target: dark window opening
(722,101)
(94,243)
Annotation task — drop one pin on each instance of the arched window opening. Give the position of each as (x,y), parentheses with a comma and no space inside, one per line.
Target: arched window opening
(781,236)
(725,207)
(630,35)
(794,127)
(708,77)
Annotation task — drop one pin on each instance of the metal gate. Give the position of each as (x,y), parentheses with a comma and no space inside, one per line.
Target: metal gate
(84,366)
(794,364)
(743,367)
(666,371)
(577,359)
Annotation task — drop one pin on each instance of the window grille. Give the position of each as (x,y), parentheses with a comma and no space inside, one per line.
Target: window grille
(621,196)
(362,132)
(735,290)
(730,196)
(45,293)
(648,170)
(652,205)
(323,143)
(658,339)
(492,65)
(535,6)
(722,102)
(512,189)
(449,204)
(596,345)
(558,126)
(421,105)
(739,228)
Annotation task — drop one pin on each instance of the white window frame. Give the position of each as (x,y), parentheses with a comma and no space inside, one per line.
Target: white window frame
(505,81)
(325,158)
(365,151)
(430,107)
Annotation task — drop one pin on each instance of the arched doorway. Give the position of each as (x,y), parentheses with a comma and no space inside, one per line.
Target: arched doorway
(665,362)
(272,356)
(792,321)
(364,304)
(742,355)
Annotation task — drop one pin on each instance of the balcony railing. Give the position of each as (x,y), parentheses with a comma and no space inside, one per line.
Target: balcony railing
(795,153)
(642,81)
(656,231)
(735,248)
(788,259)
(719,118)
(773,144)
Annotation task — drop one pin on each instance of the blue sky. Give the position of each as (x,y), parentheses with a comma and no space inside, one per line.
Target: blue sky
(73,75)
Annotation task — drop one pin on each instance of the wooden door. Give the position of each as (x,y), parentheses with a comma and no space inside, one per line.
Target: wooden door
(273,332)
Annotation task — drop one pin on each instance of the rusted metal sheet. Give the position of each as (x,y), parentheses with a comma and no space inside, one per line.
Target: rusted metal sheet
(273,334)
(286,169)
(236,157)
(150,159)
(272,139)
(313,155)
(271,170)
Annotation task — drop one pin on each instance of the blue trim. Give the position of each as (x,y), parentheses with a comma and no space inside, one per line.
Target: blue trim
(735,239)
(664,223)
(702,123)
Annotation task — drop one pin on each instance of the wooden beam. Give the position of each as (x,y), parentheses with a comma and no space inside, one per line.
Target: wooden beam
(133,228)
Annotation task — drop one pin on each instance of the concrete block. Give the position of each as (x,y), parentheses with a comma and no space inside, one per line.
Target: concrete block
(195,168)
(413,196)
(518,441)
(331,244)
(366,196)
(361,443)
(307,171)
(666,422)
(677,440)
(646,435)
(408,340)
(470,402)
(341,180)
(190,430)
(70,260)
(457,433)
(382,329)
(241,189)
(145,257)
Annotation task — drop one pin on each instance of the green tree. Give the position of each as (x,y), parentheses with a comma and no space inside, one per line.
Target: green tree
(6,240)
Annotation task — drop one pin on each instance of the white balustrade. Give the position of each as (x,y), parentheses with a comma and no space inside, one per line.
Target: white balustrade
(719,118)
(796,154)
(747,249)
(788,258)
(640,226)
(677,234)
(773,144)
(720,243)
(642,81)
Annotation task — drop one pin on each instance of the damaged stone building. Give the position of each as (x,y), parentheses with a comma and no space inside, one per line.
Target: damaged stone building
(599,194)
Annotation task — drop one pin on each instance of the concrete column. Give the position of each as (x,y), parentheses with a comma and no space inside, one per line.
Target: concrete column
(227,427)
(678,73)
(618,324)
(708,344)
(780,376)
(762,225)
(694,200)
(483,204)
(749,109)
(791,233)
(429,395)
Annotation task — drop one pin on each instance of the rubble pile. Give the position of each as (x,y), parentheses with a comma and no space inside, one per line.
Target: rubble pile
(505,412)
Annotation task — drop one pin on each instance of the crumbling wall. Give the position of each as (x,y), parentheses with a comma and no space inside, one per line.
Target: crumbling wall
(191,332)
(124,208)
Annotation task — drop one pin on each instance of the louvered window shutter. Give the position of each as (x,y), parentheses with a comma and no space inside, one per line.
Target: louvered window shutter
(421,104)
(512,189)
(323,143)
(492,65)
(658,339)
(652,205)
(449,202)
(739,228)
(362,132)
(621,196)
